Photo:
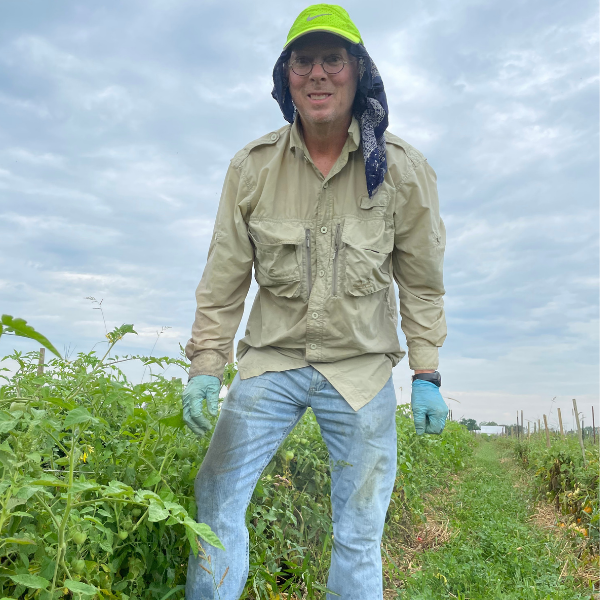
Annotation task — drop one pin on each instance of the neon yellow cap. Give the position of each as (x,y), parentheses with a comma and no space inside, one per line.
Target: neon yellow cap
(324,17)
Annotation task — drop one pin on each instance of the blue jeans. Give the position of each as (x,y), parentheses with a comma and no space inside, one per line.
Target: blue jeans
(256,416)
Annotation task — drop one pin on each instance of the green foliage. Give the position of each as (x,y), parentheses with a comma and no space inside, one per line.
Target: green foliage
(562,478)
(118,333)
(93,495)
(96,488)
(10,325)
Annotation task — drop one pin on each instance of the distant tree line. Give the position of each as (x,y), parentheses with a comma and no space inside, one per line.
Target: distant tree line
(470,424)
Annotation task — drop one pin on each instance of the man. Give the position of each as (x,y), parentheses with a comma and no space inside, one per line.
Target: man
(328,210)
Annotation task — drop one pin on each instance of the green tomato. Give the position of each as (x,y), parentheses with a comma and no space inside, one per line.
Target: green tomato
(304,441)
(79,537)
(289,455)
(79,566)
(127,525)
(136,512)
(122,535)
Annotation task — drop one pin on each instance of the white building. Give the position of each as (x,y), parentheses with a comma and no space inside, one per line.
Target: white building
(491,429)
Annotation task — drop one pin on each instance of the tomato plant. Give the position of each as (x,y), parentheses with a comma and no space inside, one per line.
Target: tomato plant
(563,479)
(84,454)
(96,487)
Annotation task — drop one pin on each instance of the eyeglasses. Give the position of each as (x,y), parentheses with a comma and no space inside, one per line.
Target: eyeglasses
(331,65)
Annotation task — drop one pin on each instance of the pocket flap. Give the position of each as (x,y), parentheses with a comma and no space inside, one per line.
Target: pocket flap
(370,235)
(380,199)
(276,233)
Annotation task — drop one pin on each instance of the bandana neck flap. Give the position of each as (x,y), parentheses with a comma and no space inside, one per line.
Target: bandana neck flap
(370,109)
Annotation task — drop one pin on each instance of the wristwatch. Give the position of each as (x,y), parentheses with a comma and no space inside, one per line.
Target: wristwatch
(434,377)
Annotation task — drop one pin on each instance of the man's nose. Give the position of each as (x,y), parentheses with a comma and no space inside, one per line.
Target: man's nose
(318,72)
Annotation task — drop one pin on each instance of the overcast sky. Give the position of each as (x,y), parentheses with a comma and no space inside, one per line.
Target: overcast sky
(118,120)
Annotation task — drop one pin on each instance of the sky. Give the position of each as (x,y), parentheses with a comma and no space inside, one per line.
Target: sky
(118,121)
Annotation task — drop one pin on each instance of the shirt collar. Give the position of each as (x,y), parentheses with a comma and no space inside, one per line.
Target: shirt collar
(296,140)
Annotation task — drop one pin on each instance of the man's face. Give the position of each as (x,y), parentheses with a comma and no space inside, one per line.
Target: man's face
(320,97)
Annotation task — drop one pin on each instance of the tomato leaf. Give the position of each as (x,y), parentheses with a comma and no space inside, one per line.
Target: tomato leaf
(175,420)
(205,532)
(19,327)
(60,402)
(152,479)
(81,588)
(20,541)
(78,415)
(157,512)
(31,581)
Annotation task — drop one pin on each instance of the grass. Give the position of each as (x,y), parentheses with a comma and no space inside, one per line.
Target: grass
(495,551)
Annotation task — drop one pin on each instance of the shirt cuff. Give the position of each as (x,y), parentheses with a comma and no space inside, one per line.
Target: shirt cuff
(423,357)
(208,362)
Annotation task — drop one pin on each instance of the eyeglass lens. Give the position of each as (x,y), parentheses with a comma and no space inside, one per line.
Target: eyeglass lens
(331,65)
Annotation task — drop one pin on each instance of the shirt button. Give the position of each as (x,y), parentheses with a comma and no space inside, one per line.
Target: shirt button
(315,315)
(274,137)
(323,229)
(321,273)
(313,346)
(326,185)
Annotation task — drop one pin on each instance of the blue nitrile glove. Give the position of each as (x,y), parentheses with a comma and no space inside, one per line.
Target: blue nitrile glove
(428,407)
(197,389)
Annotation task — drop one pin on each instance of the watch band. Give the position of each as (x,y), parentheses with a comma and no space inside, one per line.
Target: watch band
(434,377)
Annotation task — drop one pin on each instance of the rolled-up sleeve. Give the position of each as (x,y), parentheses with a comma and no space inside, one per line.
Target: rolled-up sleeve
(418,258)
(222,291)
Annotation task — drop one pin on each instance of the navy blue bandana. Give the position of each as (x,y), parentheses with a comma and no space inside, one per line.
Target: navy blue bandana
(370,109)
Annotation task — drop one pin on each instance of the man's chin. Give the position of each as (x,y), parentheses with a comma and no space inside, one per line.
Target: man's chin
(320,118)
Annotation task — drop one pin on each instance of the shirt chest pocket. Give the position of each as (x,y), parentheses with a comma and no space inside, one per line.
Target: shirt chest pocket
(367,248)
(278,256)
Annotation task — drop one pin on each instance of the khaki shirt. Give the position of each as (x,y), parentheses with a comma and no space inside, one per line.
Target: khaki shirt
(324,256)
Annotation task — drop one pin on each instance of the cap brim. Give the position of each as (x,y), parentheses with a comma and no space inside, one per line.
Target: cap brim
(343,34)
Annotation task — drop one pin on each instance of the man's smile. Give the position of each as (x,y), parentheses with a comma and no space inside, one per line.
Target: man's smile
(319,95)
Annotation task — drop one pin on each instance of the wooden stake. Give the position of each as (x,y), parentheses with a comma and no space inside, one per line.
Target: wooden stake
(40,370)
(534,429)
(562,431)
(579,429)
(522,424)
(593,425)
(528,431)
(539,427)
(547,432)
(518,432)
